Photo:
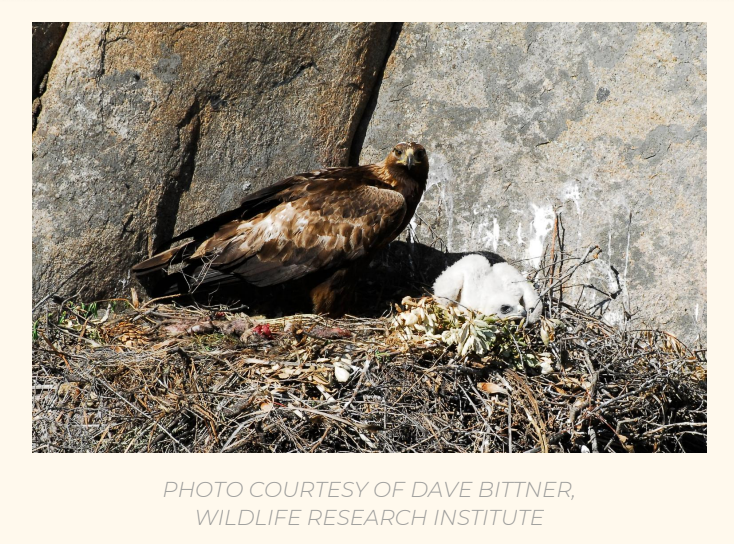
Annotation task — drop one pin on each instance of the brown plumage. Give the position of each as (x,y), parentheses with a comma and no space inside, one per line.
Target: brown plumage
(319,229)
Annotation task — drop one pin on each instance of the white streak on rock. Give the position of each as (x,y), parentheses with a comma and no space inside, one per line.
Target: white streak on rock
(541,226)
(489,238)
(611,281)
(571,192)
(495,233)
(412,228)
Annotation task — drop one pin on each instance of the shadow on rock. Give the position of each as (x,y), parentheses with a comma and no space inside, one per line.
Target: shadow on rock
(404,269)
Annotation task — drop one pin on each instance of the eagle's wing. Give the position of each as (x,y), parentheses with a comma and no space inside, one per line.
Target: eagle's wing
(260,201)
(308,223)
(322,230)
(448,286)
(256,203)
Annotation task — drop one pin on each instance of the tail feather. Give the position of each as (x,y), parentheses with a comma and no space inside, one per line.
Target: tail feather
(154,273)
(161,276)
(160,260)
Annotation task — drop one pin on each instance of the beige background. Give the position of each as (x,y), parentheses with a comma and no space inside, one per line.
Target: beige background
(117,499)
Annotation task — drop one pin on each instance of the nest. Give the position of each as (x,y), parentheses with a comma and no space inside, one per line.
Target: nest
(121,376)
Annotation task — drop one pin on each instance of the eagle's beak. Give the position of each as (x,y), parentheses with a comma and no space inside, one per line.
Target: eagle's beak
(409,159)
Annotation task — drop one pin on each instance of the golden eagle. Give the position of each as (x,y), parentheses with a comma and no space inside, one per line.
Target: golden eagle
(319,229)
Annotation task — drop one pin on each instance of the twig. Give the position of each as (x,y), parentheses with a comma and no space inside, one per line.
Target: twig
(509,413)
(571,272)
(123,399)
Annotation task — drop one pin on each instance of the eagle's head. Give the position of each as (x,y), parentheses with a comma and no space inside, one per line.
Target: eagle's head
(408,158)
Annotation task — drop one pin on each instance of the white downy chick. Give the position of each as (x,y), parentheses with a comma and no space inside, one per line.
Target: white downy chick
(498,289)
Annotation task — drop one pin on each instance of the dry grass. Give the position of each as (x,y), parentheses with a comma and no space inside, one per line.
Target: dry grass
(161,377)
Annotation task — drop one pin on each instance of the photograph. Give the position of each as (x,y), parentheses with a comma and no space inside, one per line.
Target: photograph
(369,237)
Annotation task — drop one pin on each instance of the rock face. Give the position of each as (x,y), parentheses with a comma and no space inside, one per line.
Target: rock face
(148,129)
(602,126)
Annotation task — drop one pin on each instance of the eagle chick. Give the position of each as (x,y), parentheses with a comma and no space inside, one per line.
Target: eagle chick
(498,289)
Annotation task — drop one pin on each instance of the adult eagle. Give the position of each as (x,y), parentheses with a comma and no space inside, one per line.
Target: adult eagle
(316,229)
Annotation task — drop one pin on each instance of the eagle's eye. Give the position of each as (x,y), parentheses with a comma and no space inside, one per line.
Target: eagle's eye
(420,154)
(505,309)
(397,152)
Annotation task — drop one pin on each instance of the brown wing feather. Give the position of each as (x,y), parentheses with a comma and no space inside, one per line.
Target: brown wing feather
(306,223)
(323,230)
(254,204)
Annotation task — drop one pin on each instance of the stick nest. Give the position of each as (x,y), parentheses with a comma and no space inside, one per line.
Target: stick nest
(123,376)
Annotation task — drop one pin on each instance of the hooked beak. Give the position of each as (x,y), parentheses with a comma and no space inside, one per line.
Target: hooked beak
(519,313)
(409,159)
